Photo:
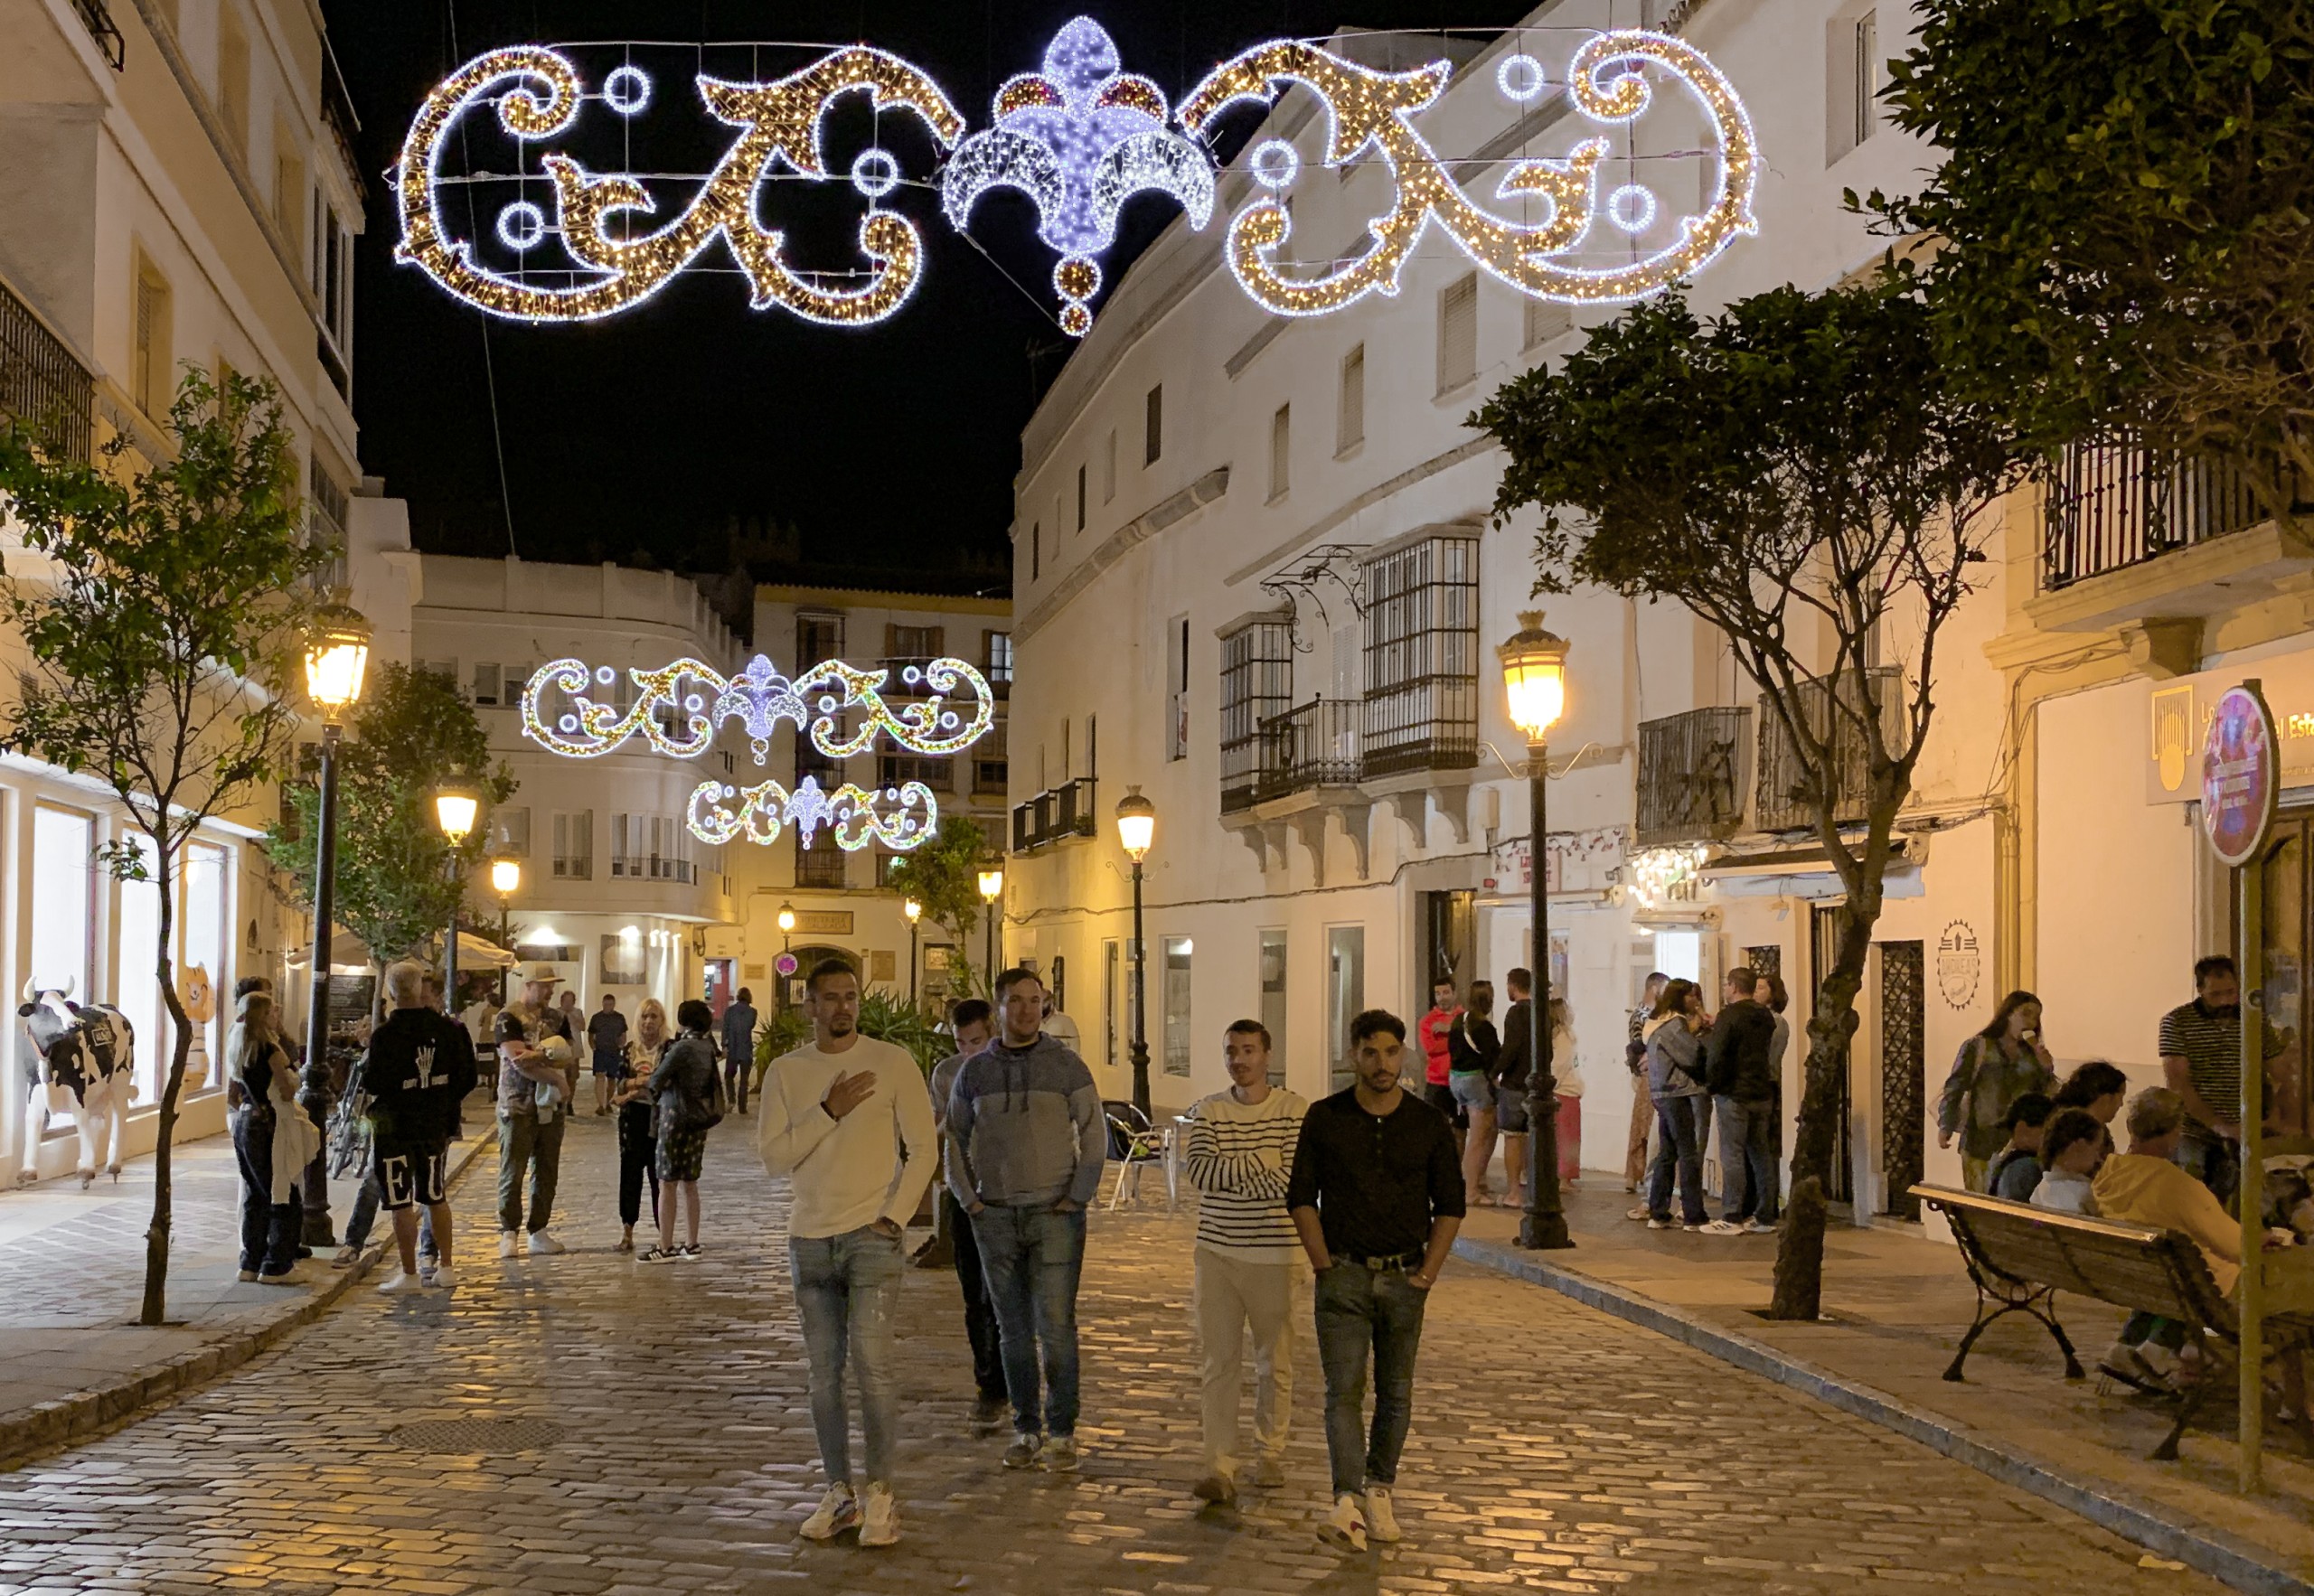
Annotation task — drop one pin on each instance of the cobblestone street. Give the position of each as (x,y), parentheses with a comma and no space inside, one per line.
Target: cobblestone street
(680,1457)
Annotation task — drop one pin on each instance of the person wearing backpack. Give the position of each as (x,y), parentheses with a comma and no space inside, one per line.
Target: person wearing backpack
(688,1089)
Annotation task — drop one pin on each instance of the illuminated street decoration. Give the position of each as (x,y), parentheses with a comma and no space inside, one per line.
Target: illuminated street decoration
(1079,139)
(1365,107)
(679,706)
(537,95)
(901,818)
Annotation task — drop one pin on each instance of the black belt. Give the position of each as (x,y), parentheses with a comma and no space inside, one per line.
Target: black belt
(1394,1261)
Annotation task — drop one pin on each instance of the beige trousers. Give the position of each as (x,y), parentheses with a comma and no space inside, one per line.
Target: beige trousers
(1232,1294)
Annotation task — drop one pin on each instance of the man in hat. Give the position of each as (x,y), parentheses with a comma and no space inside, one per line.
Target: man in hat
(533,1101)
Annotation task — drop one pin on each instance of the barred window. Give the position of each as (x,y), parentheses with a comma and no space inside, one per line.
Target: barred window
(1422,654)
(1256,683)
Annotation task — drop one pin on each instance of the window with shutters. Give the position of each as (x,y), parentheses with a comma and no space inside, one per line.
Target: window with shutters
(509,829)
(151,381)
(821,866)
(1153,432)
(1281,452)
(1109,468)
(1855,71)
(1177,688)
(912,645)
(1458,333)
(1081,498)
(1422,655)
(486,682)
(574,845)
(818,638)
(991,771)
(1036,550)
(1546,320)
(233,76)
(288,188)
(996,659)
(893,770)
(1350,408)
(1256,685)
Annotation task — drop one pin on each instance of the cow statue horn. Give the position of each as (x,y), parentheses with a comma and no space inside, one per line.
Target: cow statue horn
(66,989)
(31,988)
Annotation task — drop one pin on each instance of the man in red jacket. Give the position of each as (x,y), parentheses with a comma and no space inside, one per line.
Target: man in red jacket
(1432,1030)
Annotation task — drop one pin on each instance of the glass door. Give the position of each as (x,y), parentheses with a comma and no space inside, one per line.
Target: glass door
(2282,972)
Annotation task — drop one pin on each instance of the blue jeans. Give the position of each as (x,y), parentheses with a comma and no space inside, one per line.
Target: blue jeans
(1362,1309)
(1682,1123)
(847,1291)
(1033,1258)
(1746,1160)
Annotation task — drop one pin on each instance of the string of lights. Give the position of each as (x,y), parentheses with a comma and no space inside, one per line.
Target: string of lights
(723,812)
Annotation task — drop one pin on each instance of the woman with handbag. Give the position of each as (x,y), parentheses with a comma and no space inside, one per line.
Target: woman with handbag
(688,1087)
(632,1101)
(1994,1069)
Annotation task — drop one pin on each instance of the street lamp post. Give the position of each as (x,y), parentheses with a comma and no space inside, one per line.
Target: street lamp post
(914,911)
(505,877)
(992,887)
(335,659)
(456,805)
(786,924)
(1534,680)
(1136,830)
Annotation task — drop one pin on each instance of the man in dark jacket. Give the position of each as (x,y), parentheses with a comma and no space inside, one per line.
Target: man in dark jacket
(420,1066)
(1739,1068)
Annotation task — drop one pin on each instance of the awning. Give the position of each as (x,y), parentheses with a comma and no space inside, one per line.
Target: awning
(476,952)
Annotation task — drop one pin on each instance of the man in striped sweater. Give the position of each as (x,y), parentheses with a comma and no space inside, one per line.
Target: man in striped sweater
(1249,1259)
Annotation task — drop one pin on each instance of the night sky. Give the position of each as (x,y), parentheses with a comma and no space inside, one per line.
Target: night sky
(640,437)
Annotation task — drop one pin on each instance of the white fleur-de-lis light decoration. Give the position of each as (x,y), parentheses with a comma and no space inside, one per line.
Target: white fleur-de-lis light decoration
(679,706)
(1079,138)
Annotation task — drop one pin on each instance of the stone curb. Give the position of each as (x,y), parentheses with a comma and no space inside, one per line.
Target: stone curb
(80,1415)
(2221,1555)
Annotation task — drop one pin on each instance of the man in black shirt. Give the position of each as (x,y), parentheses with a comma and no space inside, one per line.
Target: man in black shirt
(1739,1070)
(420,1068)
(1376,1195)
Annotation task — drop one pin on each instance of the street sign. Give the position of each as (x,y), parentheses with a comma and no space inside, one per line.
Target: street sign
(2240,776)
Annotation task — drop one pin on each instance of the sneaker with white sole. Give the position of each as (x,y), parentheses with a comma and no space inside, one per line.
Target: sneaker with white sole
(1345,1526)
(658,1255)
(1655,1223)
(544,1245)
(1758,1227)
(1381,1524)
(247,1277)
(508,1244)
(401,1285)
(444,1278)
(1723,1227)
(880,1519)
(689,1251)
(1061,1454)
(838,1511)
(345,1255)
(1022,1452)
(1641,1212)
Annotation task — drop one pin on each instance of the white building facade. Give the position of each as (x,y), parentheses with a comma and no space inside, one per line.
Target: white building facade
(1258,577)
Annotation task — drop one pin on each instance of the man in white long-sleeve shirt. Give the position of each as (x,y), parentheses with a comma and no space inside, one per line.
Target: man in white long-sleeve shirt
(1249,1259)
(849,1121)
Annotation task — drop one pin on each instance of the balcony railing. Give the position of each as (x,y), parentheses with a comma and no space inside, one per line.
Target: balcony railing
(1313,745)
(1691,771)
(104,31)
(2114,503)
(1063,812)
(41,385)
(1782,807)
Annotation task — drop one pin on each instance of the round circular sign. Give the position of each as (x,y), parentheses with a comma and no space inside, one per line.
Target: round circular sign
(787,964)
(2240,777)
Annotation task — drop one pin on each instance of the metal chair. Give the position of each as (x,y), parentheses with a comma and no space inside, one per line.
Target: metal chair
(1132,1149)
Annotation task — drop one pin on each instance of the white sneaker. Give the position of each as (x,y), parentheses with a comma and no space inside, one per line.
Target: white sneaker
(838,1511)
(544,1245)
(507,1246)
(1758,1227)
(1641,1212)
(880,1519)
(444,1277)
(401,1285)
(1346,1527)
(1059,1455)
(1381,1524)
(1723,1227)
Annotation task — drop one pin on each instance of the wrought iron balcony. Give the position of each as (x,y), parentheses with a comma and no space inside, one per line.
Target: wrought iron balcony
(1054,815)
(41,385)
(1313,745)
(2114,503)
(1692,771)
(1783,805)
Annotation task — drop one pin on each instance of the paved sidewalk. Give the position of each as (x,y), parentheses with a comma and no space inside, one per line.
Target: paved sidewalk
(666,1447)
(72,1356)
(1897,1304)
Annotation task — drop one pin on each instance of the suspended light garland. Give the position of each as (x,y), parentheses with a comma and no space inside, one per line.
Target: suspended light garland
(1079,138)
(721,812)
(679,706)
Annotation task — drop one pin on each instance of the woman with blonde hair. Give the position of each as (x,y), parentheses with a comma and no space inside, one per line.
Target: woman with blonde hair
(273,1141)
(638,1130)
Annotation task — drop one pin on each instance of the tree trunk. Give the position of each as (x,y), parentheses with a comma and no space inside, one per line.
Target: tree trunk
(154,1308)
(1832,1028)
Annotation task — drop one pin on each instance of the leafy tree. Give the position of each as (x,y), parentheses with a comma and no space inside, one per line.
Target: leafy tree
(2126,217)
(165,623)
(1796,471)
(412,730)
(943,876)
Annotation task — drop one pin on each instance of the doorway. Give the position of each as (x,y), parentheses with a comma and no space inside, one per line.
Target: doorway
(1903,1083)
(1823,950)
(721,988)
(1446,921)
(2286,935)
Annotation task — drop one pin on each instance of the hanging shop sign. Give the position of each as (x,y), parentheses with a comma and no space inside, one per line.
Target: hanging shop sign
(555,241)
(574,710)
(2240,777)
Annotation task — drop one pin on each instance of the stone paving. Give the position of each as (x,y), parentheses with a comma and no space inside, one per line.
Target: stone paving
(1554,1448)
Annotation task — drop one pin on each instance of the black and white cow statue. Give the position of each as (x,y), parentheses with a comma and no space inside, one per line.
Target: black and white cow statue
(82,1063)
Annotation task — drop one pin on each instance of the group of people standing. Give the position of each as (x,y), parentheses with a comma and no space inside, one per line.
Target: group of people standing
(1698,1065)
(1477,1076)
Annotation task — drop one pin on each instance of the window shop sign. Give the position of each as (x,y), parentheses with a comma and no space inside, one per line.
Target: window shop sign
(2240,776)
(2181,711)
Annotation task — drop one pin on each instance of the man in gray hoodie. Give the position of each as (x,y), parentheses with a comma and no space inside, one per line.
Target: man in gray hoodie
(1027,1137)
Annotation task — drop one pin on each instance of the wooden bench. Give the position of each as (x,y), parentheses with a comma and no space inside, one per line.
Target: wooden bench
(2019,1257)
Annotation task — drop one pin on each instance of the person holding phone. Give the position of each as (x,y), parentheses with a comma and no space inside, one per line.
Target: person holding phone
(1994,1069)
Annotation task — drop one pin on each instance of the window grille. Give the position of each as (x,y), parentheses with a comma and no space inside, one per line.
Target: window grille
(1422,656)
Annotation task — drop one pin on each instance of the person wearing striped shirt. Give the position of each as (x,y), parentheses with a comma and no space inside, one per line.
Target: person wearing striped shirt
(1248,1259)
